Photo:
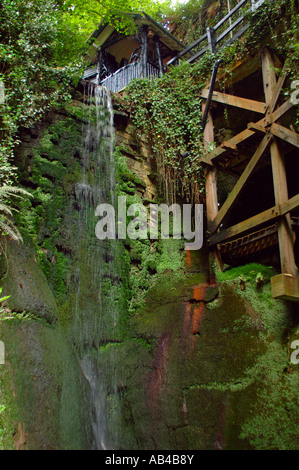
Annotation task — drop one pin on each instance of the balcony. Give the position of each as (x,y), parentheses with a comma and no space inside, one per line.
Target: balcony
(117,81)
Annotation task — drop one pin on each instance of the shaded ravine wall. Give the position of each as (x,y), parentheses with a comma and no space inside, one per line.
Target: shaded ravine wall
(193,362)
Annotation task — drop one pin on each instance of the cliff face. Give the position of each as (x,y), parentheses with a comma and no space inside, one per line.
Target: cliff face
(132,345)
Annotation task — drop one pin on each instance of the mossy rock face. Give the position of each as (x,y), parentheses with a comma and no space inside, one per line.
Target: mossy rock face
(201,373)
(194,363)
(42,389)
(27,285)
(180,361)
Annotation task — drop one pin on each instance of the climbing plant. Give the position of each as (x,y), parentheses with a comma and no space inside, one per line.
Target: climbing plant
(168,110)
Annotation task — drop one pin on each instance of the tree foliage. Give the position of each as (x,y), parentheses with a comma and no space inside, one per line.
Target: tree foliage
(87,14)
(42,44)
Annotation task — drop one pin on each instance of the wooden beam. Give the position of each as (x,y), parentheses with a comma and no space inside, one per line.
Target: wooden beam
(211,179)
(228,145)
(255,221)
(211,195)
(237,139)
(278,87)
(289,206)
(279,112)
(236,101)
(211,185)
(256,127)
(205,161)
(247,133)
(285,233)
(285,134)
(269,79)
(244,226)
(285,287)
(230,201)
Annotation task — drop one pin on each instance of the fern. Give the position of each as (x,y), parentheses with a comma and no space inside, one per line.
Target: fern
(7,225)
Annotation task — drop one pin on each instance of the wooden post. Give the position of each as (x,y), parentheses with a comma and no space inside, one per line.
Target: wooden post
(285,232)
(211,185)
(144,51)
(158,54)
(230,18)
(100,66)
(211,39)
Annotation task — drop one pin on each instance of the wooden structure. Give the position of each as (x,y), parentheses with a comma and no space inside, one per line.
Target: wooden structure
(268,141)
(234,24)
(264,142)
(115,58)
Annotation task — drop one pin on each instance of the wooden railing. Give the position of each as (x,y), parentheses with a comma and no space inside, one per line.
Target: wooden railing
(233,24)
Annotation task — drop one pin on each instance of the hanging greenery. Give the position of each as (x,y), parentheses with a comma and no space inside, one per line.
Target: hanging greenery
(168,109)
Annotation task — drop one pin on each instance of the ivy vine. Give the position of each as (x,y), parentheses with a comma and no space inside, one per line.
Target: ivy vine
(168,109)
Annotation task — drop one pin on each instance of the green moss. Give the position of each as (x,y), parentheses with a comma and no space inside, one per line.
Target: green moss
(272,422)
(247,272)
(126,180)
(147,260)
(80,111)
(274,314)
(52,166)
(41,387)
(8,411)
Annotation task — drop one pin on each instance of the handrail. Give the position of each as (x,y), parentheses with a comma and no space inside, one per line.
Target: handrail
(210,35)
(181,54)
(229,14)
(118,80)
(209,99)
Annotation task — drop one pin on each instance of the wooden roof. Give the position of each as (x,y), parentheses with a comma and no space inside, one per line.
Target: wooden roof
(106,35)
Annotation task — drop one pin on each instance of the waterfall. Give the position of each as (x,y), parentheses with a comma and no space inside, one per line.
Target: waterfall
(93,308)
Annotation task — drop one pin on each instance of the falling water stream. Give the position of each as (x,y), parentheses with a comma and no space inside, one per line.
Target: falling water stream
(94,312)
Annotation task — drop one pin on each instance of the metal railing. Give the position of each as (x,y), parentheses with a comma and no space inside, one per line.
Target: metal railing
(118,80)
(90,72)
(121,78)
(233,24)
